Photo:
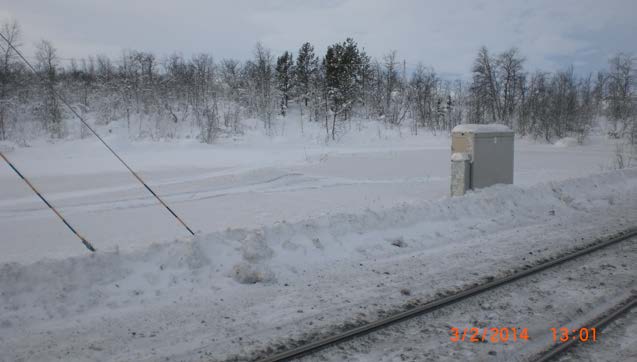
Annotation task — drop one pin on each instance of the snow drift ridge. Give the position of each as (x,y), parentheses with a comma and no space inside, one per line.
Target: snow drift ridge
(231,259)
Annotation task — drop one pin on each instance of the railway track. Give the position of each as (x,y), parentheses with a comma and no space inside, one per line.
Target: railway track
(609,315)
(598,323)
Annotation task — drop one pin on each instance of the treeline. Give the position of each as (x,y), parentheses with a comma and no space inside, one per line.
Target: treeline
(552,104)
(161,97)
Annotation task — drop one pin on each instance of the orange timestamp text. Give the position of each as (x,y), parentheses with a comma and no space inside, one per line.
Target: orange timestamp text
(580,334)
(493,335)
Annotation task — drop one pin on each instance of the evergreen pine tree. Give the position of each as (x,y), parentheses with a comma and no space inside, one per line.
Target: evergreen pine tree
(342,71)
(305,71)
(284,78)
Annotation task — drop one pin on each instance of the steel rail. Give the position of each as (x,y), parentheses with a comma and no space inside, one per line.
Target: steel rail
(442,302)
(601,322)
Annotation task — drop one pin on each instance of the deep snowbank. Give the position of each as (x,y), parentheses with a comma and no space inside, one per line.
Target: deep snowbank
(260,255)
(245,183)
(238,290)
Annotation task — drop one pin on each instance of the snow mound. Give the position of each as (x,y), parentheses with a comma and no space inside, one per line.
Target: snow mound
(566,142)
(254,247)
(240,258)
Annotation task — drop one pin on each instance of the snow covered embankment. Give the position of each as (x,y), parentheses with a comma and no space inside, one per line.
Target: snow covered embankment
(107,294)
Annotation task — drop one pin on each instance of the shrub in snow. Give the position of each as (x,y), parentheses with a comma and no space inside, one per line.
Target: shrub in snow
(399,242)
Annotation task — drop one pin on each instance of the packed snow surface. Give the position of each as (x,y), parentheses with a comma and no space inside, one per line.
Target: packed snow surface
(294,236)
(228,292)
(245,181)
(570,295)
(618,343)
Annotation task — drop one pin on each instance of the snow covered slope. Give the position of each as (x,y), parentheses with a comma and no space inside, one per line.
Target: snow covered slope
(232,291)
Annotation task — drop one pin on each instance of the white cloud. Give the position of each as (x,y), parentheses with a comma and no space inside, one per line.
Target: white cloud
(443,35)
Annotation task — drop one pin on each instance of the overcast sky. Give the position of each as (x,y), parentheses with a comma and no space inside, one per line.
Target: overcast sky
(444,34)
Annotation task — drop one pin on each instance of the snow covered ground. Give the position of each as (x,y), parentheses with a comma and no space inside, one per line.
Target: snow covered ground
(295,237)
(567,296)
(245,183)
(618,343)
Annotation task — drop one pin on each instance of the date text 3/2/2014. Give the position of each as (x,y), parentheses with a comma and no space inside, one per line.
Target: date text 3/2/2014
(514,334)
(493,335)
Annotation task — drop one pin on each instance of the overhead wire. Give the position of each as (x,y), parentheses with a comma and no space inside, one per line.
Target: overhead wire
(56,94)
(86,243)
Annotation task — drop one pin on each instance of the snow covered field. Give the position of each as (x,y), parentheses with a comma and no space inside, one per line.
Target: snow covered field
(245,183)
(294,236)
